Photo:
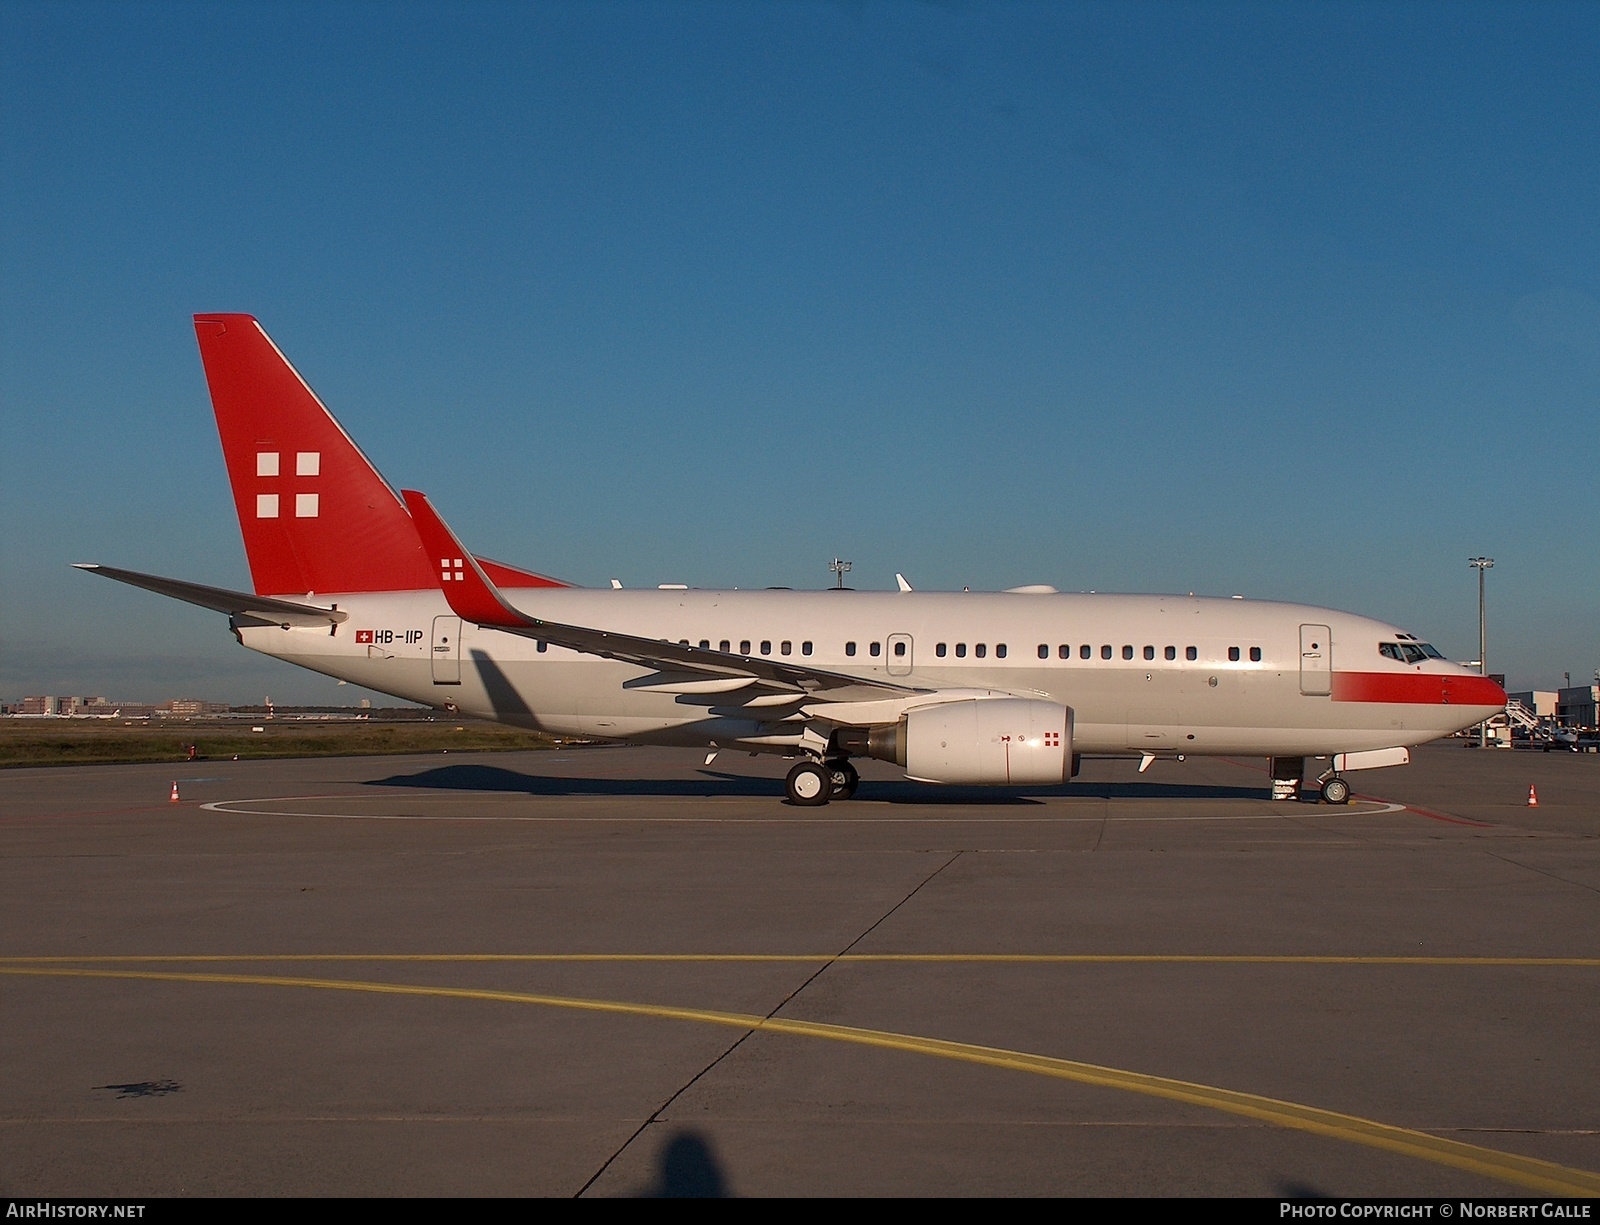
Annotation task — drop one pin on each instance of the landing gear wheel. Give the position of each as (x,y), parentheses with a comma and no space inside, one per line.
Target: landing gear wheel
(845,779)
(809,784)
(1336,791)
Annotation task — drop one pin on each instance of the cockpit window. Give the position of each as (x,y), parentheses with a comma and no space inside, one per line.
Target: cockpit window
(1408,652)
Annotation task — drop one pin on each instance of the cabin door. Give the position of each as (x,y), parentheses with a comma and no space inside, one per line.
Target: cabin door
(1316,660)
(446,650)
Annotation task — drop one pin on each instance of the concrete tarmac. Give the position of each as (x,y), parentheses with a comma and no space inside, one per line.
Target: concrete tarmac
(616,972)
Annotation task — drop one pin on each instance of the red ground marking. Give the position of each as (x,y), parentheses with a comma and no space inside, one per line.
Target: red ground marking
(1379,799)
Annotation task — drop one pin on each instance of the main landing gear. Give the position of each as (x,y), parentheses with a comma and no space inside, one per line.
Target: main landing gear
(844,778)
(813,783)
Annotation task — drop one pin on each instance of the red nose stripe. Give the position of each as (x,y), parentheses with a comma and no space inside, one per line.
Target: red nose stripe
(1417,688)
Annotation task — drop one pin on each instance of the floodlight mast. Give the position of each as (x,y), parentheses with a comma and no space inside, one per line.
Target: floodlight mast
(841,568)
(1480,564)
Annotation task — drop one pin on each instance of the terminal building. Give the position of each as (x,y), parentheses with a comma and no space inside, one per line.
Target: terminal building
(49,706)
(1576,706)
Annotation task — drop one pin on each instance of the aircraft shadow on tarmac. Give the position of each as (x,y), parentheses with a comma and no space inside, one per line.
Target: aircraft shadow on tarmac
(715,783)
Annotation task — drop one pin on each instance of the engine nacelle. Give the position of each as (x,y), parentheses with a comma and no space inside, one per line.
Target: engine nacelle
(989,741)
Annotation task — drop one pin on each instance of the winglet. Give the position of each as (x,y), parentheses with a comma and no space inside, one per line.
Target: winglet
(471,595)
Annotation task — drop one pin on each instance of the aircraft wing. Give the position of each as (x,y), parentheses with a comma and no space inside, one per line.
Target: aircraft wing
(472,597)
(219,599)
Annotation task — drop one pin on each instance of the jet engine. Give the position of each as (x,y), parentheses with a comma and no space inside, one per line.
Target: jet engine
(987,741)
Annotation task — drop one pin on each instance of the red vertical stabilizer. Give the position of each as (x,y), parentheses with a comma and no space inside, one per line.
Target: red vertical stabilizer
(315,514)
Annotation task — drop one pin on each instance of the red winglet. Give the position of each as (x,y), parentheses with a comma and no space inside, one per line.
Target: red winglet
(471,595)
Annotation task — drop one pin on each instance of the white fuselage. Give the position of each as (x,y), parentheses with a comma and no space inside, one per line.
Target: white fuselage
(1254,683)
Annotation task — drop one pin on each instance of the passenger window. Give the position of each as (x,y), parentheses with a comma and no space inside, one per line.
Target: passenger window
(1044,651)
(705,644)
(980,650)
(900,650)
(766,646)
(1085,651)
(849,648)
(941,650)
(1233,654)
(875,650)
(744,646)
(1191,653)
(1127,652)
(785,647)
(542,645)
(1105,652)
(1000,651)
(805,648)
(1064,651)
(1255,655)
(1172,652)
(1149,652)
(961,650)
(723,646)
(683,642)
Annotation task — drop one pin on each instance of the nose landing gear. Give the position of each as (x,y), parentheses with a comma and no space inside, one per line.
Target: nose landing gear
(1335,790)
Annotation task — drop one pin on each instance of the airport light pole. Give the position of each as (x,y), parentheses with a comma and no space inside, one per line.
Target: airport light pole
(841,568)
(1480,564)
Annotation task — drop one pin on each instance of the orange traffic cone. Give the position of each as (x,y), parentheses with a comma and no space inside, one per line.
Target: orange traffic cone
(1533,797)
(174,796)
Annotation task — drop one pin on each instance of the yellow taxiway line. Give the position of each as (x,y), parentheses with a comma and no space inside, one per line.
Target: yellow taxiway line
(1527,1172)
(1287,959)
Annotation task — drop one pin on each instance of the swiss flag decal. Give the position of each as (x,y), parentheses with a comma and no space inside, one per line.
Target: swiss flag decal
(363,636)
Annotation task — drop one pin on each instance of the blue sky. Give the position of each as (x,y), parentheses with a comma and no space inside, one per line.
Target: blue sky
(1300,301)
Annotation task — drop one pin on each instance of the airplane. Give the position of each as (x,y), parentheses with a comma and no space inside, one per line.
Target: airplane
(1010,688)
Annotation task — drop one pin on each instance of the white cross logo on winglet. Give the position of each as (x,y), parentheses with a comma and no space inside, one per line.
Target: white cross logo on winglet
(450,568)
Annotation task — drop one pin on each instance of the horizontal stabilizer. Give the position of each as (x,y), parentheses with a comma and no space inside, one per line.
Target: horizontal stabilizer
(219,599)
